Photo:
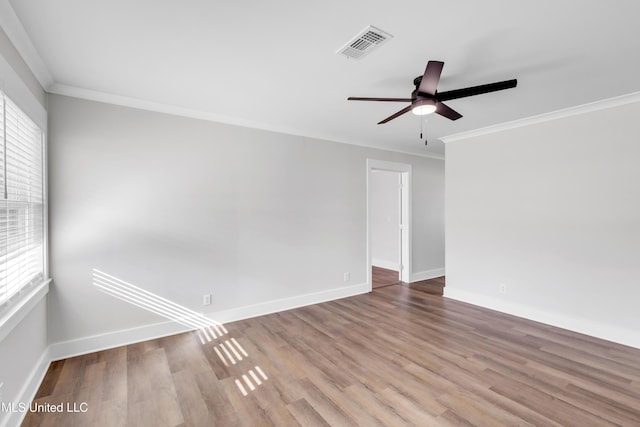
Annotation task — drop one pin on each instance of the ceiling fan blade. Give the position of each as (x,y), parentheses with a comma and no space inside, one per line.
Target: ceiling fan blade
(447,111)
(399,113)
(431,77)
(476,90)
(355,98)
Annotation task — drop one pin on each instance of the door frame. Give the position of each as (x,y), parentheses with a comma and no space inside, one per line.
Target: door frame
(404,170)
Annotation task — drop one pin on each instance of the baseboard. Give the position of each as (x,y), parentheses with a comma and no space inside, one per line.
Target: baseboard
(428,274)
(284,304)
(383,263)
(583,326)
(65,349)
(29,390)
(93,343)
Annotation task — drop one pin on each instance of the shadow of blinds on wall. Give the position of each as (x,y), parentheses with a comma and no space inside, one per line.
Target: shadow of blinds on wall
(21,202)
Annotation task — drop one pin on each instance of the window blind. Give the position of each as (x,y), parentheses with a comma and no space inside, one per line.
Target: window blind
(21,201)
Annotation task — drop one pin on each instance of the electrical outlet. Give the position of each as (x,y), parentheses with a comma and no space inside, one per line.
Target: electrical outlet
(347,276)
(206,300)
(502,288)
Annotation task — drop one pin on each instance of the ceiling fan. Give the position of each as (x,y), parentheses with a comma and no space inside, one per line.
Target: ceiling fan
(425,99)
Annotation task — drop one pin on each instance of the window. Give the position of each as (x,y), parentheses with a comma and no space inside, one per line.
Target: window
(21,202)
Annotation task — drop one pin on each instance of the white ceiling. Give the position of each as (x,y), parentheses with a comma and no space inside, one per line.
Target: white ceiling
(273,64)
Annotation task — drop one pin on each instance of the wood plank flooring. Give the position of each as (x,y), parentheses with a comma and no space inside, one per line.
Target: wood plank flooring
(398,356)
(383,277)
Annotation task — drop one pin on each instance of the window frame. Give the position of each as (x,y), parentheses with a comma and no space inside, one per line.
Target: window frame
(12,86)
(21,203)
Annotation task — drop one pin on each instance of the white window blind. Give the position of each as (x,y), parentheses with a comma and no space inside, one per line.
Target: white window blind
(21,201)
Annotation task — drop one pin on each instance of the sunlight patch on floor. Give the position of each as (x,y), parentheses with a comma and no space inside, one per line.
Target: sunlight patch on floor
(229,351)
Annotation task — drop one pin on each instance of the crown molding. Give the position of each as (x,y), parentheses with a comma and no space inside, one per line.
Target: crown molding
(546,117)
(125,101)
(15,31)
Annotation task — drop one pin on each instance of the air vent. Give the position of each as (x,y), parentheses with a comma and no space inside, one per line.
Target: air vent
(366,41)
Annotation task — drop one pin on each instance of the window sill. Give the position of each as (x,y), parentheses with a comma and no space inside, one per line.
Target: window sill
(12,315)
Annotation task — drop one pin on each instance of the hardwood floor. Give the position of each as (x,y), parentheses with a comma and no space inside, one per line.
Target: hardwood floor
(383,277)
(397,356)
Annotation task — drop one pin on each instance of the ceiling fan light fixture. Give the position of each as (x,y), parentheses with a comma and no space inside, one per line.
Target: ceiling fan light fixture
(423,107)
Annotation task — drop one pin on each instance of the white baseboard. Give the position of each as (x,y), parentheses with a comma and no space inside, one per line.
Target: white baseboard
(428,274)
(283,304)
(383,263)
(584,326)
(93,343)
(65,349)
(29,390)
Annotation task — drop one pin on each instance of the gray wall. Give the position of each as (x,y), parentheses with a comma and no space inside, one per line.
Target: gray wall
(385,219)
(552,211)
(182,208)
(21,69)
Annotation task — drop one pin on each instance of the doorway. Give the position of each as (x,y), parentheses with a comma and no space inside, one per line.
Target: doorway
(388,222)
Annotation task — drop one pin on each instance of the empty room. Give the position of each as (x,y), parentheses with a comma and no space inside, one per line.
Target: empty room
(333,213)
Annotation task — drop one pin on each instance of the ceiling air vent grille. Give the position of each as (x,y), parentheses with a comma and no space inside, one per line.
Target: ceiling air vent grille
(366,41)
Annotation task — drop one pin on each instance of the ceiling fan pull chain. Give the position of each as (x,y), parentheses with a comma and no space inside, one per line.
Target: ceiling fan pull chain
(425,138)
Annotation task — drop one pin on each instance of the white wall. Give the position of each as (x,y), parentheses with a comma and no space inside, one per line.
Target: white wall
(428,216)
(182,207)
(551,210)
(385,219)
(28,82)
(24,361)
(23,333)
